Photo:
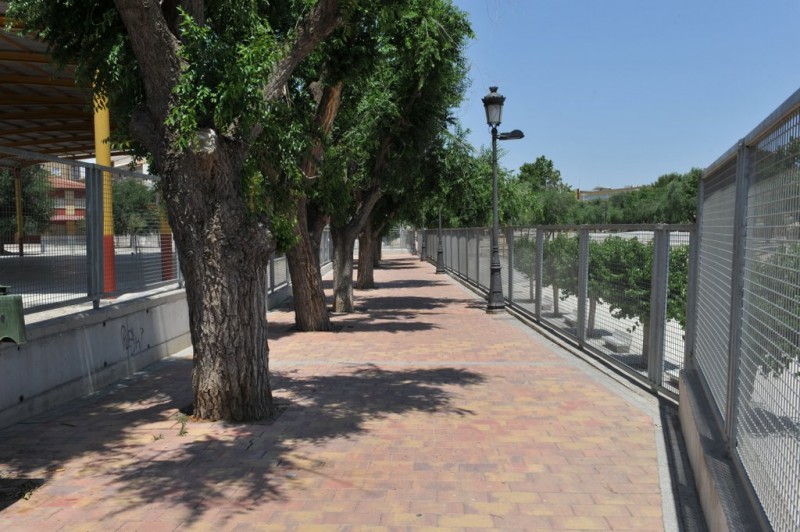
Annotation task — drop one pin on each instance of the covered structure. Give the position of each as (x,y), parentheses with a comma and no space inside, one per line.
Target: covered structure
(41,108)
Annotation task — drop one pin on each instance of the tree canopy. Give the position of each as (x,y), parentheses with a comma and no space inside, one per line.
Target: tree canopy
(37,205)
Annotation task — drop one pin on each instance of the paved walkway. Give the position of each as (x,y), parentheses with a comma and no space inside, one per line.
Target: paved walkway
(421,411)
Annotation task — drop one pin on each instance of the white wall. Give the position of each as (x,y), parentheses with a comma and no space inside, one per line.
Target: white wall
(77,354)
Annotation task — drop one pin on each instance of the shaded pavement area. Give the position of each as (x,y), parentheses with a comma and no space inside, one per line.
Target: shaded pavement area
(422,410)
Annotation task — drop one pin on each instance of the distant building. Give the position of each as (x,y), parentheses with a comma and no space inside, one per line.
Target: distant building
(602,193)
(69,204)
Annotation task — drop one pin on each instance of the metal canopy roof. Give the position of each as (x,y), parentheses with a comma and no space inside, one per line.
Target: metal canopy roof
(41,108)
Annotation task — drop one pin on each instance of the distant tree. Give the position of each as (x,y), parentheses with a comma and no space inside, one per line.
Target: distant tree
(540,175)
(671,199)
(627,282)
(37,205)
(134,208)
(559,264)
(772,299)
(525,260)
(545,199)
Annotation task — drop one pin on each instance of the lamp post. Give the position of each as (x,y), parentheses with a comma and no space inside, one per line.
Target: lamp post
(439,250)
(493,104)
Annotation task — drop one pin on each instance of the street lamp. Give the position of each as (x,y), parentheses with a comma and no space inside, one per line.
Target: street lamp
(493,104)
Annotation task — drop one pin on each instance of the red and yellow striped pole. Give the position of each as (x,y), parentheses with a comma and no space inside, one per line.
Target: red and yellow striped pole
(102,149)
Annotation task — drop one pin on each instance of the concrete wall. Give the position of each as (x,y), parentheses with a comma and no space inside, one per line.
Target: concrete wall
(77,354)
(723,496)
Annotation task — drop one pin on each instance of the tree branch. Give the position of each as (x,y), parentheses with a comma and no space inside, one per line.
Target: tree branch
(320,22)
(156,50)
(313,29)
(328,102)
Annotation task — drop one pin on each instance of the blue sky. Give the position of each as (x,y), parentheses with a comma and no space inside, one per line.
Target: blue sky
(620,92)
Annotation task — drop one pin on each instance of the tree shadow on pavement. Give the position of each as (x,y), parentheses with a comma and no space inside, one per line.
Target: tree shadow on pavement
(129,446)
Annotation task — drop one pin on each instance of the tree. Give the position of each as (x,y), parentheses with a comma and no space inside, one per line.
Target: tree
(772,303)
(525,260)
(464,190)
(626,283)
(559,264)
(546,199)
(37,205)
(540,175)
(198,86)
(390,120)
(134,207)
(671,199)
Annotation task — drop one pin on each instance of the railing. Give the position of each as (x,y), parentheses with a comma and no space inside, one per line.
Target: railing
(617,292)
(748,308)
(74,249)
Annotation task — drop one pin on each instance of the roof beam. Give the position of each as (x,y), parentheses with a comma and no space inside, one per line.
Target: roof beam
(34,80)
(47,141)
(23,57)
(85,125)
(39,99)
(45,114)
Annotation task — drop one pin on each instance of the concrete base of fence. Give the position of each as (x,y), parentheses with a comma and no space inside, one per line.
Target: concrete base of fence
(77,354)
(722,495)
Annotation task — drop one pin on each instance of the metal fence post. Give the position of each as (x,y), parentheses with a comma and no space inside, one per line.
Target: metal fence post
(178,271)
(271,285)
(458,251)
(94,234)
(583,285)
(737,292)
(539,268)
(658,307)
(477,257)
(510,243)
(691,303)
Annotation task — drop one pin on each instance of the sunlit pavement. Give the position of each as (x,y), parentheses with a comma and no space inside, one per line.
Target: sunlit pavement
(420,411)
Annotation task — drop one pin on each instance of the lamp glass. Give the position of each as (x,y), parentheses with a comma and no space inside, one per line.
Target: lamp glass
(493,103)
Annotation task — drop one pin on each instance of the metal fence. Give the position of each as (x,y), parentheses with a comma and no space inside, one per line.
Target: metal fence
(73,232)
(748,308)
(617,292)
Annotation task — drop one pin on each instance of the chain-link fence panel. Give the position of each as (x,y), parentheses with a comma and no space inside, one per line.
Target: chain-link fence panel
(768,414)
(714,280)
(136,235)
(43,231)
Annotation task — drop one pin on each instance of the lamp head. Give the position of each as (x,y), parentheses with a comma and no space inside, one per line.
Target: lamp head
(493,103)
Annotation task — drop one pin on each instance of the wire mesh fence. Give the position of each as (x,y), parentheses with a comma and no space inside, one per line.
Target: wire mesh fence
(73,232)
(748,308)
(608,310)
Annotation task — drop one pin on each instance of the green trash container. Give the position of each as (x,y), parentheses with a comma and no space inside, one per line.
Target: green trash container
(12,320)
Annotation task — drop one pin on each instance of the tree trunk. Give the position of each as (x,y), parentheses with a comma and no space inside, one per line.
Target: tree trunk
(377,254)
(343,244)
(592,314)
(228,319)
(532,280)
(366,258)
(556,312)
(310,312)
(223,250)
(223,245)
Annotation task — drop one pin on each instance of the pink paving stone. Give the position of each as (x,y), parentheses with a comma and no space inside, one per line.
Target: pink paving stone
(457,419)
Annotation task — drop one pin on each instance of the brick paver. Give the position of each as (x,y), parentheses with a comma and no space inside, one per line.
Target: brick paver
(421,412)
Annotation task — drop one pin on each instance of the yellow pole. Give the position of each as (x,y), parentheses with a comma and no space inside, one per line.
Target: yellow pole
(18,197)
(102,150)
